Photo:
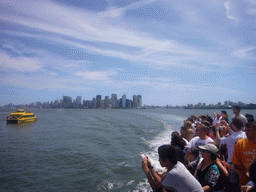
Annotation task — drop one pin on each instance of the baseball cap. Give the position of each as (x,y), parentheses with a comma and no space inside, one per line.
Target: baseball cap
(210,147)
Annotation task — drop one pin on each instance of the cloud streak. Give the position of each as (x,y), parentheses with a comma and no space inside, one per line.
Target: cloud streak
(121,47)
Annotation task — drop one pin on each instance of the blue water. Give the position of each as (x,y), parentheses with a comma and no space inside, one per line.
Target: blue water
(85,149)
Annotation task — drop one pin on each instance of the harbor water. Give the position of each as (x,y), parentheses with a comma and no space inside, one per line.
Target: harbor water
(85,149)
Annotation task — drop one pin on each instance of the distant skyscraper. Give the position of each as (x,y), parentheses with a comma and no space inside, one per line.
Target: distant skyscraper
(114,101)
(98,101)
(124,101)
(139,101)
(134,100)
(78,100)
(67,99)
(114,96)
(106,102)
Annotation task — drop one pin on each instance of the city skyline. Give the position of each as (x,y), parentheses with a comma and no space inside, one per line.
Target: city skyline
(114,102)
(96,102)
(171,52)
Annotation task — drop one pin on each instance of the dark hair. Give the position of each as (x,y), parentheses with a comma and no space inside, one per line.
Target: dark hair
(209,119)
(174,133)
(203,117)
(237,107)
(191,119)
(225,118)
(238,123)
(178,141)
(249,118)
(253,124)
(168,152)
(206,125)
(224,112)
(195,151)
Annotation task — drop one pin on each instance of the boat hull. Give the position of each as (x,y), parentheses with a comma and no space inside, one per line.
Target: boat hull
(21,116)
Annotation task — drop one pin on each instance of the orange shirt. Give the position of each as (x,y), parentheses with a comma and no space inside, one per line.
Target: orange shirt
(244,154)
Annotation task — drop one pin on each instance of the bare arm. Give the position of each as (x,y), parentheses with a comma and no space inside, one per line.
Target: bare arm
(157,177)
(223,170)
(155,185)
(207,188)
(217,128)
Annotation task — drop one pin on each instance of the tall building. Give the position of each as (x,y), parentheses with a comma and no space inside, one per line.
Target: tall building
(124,101)
(134,100)
(67,99)
(114,101)
(106,102)
(78,100)
(98,101)
(139,101)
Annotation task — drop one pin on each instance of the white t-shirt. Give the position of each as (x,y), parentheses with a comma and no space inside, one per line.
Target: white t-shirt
(230,141)
(180,179)
(196,141)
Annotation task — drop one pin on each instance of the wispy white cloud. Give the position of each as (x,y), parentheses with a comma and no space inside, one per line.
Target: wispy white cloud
(89,27)
(97,75)
(244,53)
(229,12)
(22,64)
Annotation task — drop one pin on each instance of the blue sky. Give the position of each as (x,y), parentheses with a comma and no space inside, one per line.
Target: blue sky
(170,52)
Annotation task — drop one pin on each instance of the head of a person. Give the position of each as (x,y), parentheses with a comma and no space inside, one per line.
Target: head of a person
(250,131)
(194,153)
(209,150)
(178,141)
(174,133)
(191,119)
(238,123)
(223,113)
(189,134)
(167,153)
(209,119)
(225,117)
(236,109)
(203,118)
(249,118)
(188,124)
(201,129)
(183,130)
(218,115)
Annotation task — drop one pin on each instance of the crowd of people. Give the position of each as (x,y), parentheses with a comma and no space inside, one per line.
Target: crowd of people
(208,154)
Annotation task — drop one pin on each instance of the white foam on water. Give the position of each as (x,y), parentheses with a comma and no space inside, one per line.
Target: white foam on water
(110,185)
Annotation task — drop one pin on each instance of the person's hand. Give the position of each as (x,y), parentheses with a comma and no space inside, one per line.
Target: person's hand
(149,162)
(247,174)
(144,164)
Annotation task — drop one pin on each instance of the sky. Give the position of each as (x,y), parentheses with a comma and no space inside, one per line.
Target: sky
(170,52)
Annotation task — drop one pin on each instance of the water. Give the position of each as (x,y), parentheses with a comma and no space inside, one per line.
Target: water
(85,150)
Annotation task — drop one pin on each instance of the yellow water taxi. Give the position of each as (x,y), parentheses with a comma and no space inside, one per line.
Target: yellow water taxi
(21,116)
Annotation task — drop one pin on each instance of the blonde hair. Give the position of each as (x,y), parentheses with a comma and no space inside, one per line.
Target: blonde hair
(188,132)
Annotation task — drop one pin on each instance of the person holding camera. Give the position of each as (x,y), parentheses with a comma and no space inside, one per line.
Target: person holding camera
(177,177)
